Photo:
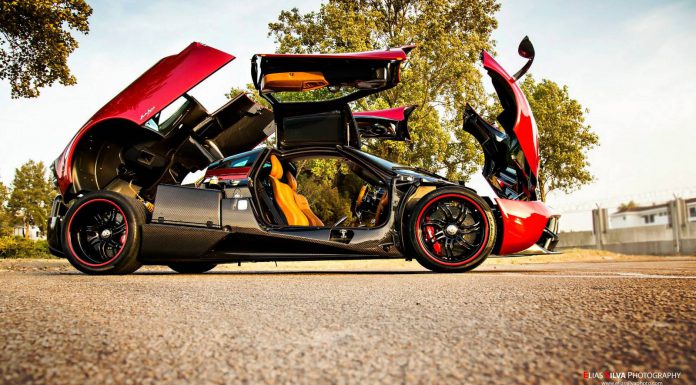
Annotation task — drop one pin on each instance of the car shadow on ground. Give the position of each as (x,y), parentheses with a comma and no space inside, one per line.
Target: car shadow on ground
(313,272)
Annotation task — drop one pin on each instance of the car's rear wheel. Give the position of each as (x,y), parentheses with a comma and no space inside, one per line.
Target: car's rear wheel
(102,233)
(451,230)
(192,268)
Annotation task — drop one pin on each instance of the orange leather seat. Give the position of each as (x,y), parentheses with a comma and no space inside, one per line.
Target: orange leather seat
(302,203)
(285,196)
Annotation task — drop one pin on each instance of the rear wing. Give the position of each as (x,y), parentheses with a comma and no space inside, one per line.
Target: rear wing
(390,124)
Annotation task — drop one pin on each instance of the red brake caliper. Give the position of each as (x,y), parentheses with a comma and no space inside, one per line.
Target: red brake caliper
(430,237)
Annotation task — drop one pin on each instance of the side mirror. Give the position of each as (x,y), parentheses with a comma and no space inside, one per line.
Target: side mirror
(526,50)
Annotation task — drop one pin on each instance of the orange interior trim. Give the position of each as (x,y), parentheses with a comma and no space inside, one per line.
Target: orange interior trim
(292,182)
(307,211)
(361,195)
(276,168)
(294,81)
(380,209)
(285,196)
(302,202)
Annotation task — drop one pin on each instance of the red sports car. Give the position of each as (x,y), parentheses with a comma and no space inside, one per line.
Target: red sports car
(123,201)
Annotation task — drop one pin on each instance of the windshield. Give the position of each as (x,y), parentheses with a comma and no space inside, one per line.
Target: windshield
(164,121)
(382,162)
(245,159)
(415,171)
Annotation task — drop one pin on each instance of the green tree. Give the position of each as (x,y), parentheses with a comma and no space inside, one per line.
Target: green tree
(440,75)
(5,224)
(36,40)
(627,206)
(564,137)
(32,193)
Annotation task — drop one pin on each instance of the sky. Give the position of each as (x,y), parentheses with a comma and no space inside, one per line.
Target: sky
(630,63)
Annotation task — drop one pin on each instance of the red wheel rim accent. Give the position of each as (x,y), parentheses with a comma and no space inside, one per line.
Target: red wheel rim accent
(122,237)
(485,230)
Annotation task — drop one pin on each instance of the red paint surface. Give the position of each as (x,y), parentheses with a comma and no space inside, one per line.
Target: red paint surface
(525,126)
(392,54)
(229,173)
(392,113)
(160,85)
(523,224)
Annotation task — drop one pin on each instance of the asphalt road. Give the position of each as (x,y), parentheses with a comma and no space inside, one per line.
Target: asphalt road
(499,324)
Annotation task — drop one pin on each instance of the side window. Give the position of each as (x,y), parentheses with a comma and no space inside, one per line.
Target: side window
(337,188)
(162,121)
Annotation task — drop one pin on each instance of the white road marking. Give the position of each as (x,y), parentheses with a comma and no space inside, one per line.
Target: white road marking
(608,275)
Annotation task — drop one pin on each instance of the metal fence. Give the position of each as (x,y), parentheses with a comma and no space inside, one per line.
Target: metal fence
(676,237)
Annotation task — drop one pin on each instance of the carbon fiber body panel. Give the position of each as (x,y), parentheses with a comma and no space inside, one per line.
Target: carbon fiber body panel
(165,243)
(187,206)
(243,238)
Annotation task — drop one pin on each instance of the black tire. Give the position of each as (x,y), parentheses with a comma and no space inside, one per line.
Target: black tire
(192,267)
(102,233)
(452,230)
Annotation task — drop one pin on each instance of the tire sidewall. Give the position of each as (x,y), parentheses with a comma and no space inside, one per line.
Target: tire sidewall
(424,257)
(127,259)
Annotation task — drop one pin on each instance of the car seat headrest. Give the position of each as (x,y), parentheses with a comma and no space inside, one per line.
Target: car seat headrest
(276,167)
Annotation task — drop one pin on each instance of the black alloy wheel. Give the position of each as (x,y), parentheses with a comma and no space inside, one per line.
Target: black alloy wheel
(102,233)
(452,229)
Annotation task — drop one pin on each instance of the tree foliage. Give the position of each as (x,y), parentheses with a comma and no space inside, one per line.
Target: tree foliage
(36,40)
(564,137)
(440,75)
(5,224)
(626,206)
(32,193)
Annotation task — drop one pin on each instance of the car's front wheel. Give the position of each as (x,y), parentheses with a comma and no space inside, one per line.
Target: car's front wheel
(451,230)
(102,233)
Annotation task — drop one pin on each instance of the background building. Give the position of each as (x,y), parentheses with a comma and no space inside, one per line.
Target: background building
(656,214)
(660,229)
(34,232)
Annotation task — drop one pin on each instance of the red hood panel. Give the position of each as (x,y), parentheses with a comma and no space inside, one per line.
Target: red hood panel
(163,83)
